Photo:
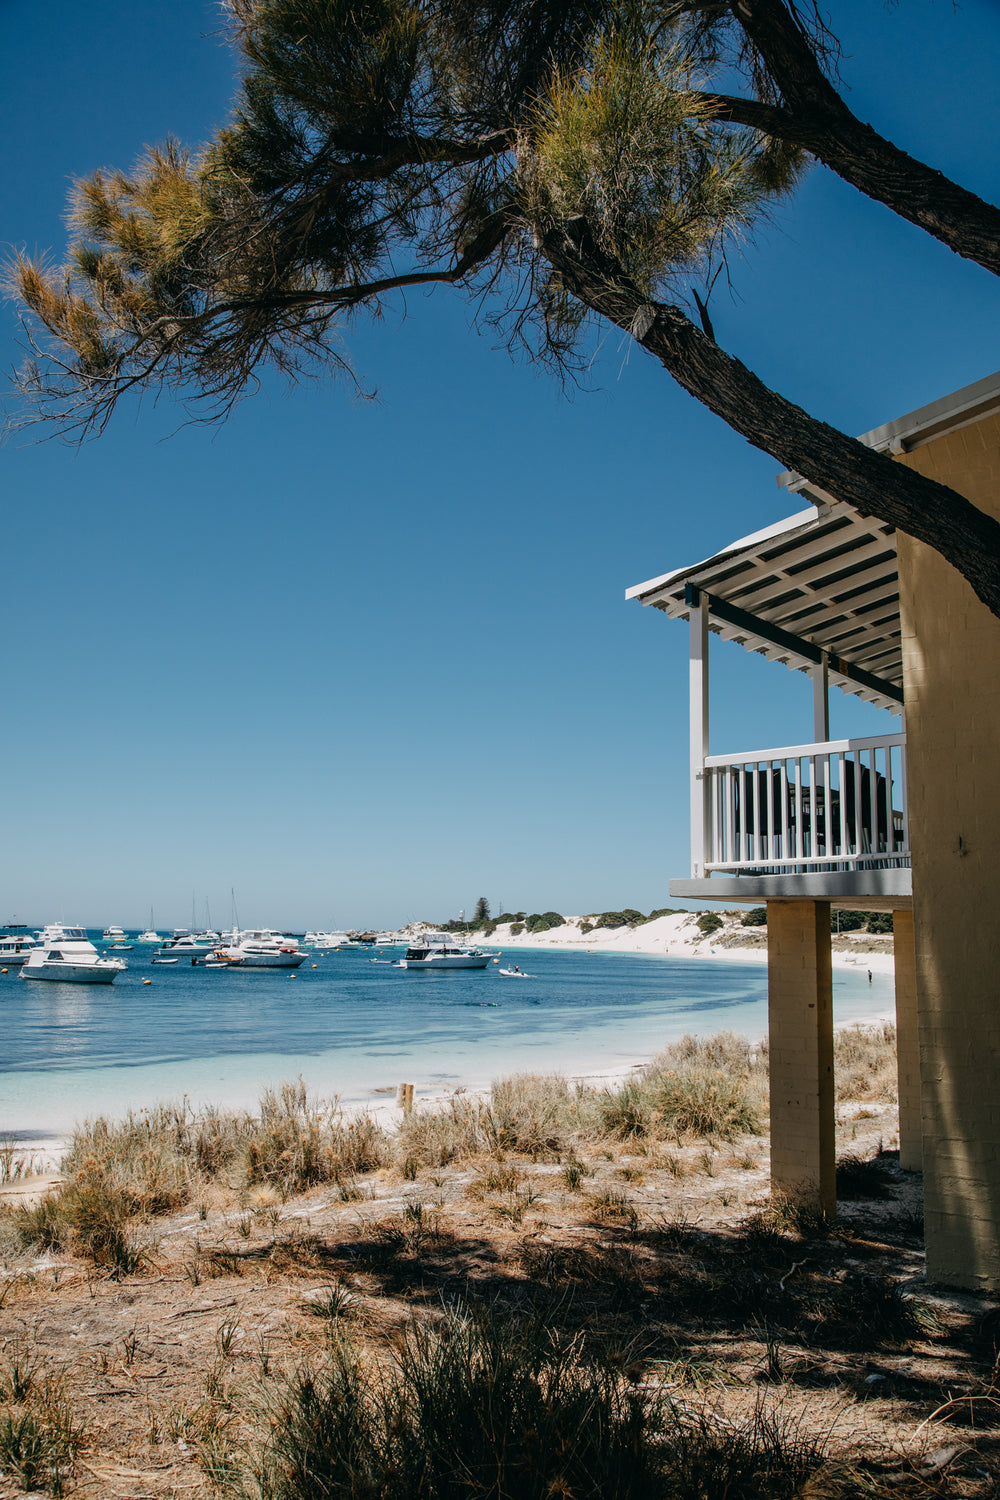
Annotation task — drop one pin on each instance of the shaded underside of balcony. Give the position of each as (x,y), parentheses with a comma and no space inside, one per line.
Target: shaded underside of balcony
(849,890)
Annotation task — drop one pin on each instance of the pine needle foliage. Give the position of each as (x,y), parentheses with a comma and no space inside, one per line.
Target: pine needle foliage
(377,145)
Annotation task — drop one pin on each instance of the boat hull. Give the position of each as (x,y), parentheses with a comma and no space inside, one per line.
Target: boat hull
(276,960)
(70,973)
(447,961)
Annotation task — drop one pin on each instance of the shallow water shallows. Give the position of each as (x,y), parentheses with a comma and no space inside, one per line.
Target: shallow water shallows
(356,1029)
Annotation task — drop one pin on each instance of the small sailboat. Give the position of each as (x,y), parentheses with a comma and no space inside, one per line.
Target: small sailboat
(150,935)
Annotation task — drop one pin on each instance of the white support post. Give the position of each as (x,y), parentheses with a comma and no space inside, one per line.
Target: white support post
(820,674)
(698,691)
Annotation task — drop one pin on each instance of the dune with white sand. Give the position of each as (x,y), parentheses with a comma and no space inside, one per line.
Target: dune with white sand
(678,935)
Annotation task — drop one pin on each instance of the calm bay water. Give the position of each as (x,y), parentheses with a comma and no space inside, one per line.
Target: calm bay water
(356,1029)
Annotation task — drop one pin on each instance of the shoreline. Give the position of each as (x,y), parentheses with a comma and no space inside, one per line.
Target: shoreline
(678,936)
(46,1150)
(42,1121)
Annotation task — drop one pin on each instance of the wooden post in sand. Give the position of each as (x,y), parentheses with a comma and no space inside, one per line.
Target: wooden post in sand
(404,1098)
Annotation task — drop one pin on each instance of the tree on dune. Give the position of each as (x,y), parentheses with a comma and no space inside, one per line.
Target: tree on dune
(482,911)
(557,161)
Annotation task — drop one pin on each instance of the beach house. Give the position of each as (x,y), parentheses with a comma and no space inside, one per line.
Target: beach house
(907,821)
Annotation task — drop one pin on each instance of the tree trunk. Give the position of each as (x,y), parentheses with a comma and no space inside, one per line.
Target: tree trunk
(816,118)
(847,470)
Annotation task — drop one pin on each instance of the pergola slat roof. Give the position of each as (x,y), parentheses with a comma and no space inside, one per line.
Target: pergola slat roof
(825,578)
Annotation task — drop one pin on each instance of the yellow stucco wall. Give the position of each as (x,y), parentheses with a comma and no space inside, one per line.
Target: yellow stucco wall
(951,666)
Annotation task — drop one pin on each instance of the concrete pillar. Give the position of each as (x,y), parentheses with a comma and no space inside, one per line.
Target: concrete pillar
(800,1048)
(907,1042)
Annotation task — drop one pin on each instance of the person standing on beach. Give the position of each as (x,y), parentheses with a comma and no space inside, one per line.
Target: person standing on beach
(869,976)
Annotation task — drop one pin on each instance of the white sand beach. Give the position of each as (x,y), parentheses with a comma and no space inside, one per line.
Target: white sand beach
(678,936)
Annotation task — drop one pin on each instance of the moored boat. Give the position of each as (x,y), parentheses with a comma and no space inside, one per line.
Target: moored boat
(263,948)
(15,945)
(184,944)
(326,939)
(438,950)
(67,955)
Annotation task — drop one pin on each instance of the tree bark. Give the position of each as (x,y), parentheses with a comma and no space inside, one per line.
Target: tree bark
(815,117)
(848,470)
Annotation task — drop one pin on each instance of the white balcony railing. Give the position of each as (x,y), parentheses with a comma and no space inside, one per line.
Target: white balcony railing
(840,805)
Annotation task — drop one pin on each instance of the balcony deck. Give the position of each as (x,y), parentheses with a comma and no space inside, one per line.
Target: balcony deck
(827,821)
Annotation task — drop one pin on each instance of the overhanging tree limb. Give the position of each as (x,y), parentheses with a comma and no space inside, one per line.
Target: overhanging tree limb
(815,117)
(848,470)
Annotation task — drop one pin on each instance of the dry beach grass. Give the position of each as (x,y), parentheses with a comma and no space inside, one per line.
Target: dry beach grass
(554,1290)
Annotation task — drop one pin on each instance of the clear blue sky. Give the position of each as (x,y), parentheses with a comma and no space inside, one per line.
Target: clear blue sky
(366,662)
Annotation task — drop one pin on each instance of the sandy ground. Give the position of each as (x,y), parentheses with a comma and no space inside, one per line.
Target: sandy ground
(160,1365)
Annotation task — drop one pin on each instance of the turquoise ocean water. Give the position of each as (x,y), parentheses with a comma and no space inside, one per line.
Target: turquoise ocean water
(357,1029)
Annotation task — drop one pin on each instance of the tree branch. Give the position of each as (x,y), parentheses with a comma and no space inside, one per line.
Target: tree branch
(871,482)
(826,128)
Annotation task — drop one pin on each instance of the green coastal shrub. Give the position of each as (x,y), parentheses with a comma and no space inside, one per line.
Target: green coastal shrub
(861,921)
(755,917)
(544,921)
(627,917)
(847,921)
(516,929)
(709,922)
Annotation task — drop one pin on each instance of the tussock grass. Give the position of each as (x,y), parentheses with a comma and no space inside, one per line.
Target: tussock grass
(859,1178)
(15,1163)
(781,1217)
(124,1172)
(865,1063)
(39,1434)
(296,1145)
(486,1406)
(872,1310)
(713,1087)
(534,1115)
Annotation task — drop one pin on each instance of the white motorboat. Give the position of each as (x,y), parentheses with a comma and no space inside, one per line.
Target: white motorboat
(113,935)
(184,944)
(263,948)
(15,945)
(66,954)
(438,950)
(326,939)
